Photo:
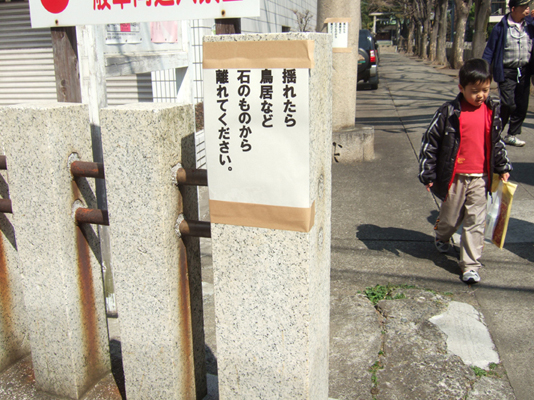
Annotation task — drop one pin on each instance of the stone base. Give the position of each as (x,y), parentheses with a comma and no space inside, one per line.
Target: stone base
(352,145)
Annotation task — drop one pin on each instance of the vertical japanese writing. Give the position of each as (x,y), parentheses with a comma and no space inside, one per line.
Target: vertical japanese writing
(289,79)
(266,93)
(221,80)
(243,91)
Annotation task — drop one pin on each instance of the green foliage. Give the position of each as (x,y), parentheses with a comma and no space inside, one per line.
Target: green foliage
(491,372)
(373,370)
(380,292)
(479,371)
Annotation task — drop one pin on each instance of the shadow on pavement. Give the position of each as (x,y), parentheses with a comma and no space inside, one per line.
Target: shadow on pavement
(399,241)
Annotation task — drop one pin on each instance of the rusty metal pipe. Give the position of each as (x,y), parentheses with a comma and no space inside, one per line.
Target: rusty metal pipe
(3,162)
(5,206)
(195,228)
(196,177)
(87,169)
(91,216)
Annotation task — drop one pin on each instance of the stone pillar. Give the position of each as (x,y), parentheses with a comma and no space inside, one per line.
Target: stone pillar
(158,283)
(345,61)
(14,341)
(271,270)
(63,290)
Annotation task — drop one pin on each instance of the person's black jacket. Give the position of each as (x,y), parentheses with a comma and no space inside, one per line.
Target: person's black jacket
(441,141)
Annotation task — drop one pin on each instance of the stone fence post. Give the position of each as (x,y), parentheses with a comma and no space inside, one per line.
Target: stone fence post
(157,282)
(14,341)
(60,260)
(268,102)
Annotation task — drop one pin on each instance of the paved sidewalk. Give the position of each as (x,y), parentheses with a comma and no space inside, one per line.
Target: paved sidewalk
(383,218)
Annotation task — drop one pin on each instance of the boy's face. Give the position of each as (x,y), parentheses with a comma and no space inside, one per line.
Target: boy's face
(476,93)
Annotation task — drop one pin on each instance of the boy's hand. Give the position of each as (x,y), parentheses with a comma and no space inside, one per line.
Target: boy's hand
(504,177)
(428,186)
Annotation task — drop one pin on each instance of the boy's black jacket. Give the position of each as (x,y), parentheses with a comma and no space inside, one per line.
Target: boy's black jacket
(441,141)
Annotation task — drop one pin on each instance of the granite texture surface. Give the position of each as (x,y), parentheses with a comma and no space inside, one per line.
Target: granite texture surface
(354,144)
(271,287)
(157,283)
(62,282)
(14,341)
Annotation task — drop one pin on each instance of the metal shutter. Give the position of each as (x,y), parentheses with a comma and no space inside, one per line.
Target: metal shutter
(26,59)
(27,64)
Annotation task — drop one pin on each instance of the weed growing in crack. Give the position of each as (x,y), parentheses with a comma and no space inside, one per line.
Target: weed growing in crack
(491,372)
(374,379)
(380,292)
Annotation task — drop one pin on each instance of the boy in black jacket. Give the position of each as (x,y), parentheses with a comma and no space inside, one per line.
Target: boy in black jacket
(460,151)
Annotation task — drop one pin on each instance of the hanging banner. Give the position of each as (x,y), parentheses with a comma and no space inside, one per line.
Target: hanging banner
(256,102)
(51,13)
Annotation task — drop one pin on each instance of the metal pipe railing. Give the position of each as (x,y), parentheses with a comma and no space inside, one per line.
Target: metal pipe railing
(197,177)
(86,169)
(195,228)
(5,206)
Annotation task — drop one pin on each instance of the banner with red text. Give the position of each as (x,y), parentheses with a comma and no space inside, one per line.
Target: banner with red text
(50,13)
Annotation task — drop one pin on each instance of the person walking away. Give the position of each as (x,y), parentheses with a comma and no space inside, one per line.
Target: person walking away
(460,150)
(509,50)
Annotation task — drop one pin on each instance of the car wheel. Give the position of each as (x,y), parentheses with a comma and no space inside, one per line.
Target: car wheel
(374,82)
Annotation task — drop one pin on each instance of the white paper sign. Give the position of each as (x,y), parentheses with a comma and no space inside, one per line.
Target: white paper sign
(340,34)
(50,13)
(123,33)
(257,135)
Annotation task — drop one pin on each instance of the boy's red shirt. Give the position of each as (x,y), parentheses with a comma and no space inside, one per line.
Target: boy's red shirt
(475,142)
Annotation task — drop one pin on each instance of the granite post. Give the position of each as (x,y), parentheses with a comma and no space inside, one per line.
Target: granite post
(345,59)
(271,264)
(62,283)
(14,341)
(157,274)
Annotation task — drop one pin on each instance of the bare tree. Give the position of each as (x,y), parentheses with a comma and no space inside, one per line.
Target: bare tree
(427,26)
(462,12)
(411,34)
(441,50)
(482,14)
(434,35)
(303,20)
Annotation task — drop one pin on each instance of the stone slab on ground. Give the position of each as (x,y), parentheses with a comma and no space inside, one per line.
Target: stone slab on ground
(467,334)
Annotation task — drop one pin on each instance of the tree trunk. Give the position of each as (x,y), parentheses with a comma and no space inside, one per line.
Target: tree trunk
(482,14)
(411,31)
(462,11)
(441,51)
(418,41)
(427,25)
(434,35)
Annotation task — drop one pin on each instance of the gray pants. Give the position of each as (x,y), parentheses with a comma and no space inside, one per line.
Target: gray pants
(465,203)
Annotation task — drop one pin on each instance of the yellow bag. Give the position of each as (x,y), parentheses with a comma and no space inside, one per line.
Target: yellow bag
(498,211)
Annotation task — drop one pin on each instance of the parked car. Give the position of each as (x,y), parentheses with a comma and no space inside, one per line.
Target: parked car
(368,59)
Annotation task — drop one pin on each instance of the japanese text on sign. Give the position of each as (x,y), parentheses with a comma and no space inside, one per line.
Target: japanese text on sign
(340,33)
(259,126)
(50,13)
(241,94)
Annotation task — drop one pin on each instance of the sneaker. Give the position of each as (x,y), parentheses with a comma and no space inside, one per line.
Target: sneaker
(513,141)
(442,246)
(471,277)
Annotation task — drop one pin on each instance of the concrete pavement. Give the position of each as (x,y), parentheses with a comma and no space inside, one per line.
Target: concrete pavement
(383,218)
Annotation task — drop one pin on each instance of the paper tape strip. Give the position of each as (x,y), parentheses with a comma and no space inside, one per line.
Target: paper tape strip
(262,216)
(267,54)
(326,21)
